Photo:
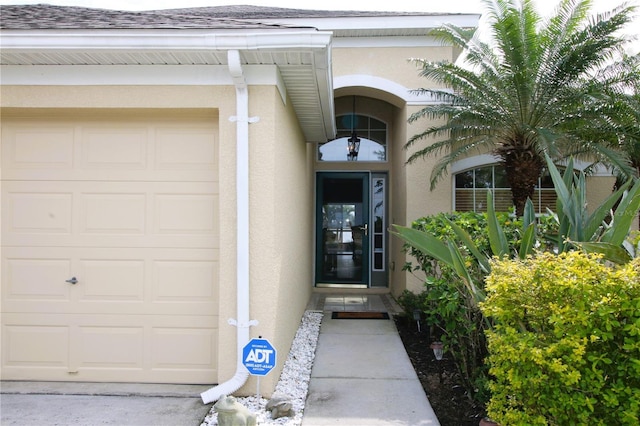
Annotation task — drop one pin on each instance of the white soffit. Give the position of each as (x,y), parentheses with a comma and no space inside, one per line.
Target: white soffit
(393,41)
(301,60)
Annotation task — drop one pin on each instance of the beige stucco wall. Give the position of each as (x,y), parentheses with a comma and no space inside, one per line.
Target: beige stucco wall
(421,200)
(281,226)
(392,63)
(398,203)
(598,189)
(116,97)
(280,200)
(281,183)
(410,196)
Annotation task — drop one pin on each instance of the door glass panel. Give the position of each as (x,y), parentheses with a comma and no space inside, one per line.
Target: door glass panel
(379,223)
(343,235)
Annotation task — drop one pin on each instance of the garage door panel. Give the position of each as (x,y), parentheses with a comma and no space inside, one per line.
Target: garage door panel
(127,205)
(122,214)
(185,242)
(179,149)
(124,148)
(112,280)
(35,279)
(169,281)
(29,148)
(33,212)
(39,345)
(117,213)
(102,175)
(110,347)
(102,149)
(183,348)
(142,348)
(186,213)
(194,278)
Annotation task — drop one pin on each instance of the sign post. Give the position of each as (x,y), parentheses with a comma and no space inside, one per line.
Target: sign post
(259,358)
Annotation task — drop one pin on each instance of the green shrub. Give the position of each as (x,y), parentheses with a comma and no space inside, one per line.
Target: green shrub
(448,308)
(565,346)
(475,224)
(454,251)
(454,322)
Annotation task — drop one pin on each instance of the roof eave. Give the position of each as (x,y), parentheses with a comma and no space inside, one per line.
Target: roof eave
(317,121)
(162,39)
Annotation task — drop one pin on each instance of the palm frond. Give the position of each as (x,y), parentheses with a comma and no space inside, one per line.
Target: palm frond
(558,86)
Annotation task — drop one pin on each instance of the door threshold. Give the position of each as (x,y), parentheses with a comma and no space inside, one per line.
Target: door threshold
(340,285)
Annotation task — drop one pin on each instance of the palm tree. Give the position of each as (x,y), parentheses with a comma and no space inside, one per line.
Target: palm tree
(536,86)
(631,144)
(625,114)
(629,116)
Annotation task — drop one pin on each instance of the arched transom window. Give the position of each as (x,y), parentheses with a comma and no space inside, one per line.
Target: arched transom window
(372,135)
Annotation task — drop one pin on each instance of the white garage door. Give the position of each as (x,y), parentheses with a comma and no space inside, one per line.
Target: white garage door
(110,247)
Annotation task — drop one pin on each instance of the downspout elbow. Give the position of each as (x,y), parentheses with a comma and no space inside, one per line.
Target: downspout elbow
(226,388)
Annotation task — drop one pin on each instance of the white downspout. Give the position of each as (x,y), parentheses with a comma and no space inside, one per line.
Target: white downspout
(242,323)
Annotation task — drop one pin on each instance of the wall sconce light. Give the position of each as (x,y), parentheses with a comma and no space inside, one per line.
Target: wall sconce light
(438,350)
(353,146)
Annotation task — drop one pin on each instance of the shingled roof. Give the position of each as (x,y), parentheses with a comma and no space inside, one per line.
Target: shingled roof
(262,12)
(39,41)
(44,16)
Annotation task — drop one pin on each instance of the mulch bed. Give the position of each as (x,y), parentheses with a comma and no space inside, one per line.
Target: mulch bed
(440,379)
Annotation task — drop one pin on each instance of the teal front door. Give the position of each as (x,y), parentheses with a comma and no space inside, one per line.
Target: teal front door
(342,229)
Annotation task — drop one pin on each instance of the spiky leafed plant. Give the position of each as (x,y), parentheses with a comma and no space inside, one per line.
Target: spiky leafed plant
(627,115)
(534,87)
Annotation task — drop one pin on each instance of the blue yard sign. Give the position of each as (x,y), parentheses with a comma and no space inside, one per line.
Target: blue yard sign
(259,357)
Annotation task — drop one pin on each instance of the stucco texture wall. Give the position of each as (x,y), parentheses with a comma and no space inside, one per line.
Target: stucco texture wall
(281,200)
(281,226)
(177,100)
(410,196)
(392,63)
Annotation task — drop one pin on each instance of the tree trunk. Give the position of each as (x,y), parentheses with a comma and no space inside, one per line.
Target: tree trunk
(523,168)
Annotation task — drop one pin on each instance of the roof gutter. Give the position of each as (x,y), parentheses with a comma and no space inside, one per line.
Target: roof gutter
(161,40)
(242,322)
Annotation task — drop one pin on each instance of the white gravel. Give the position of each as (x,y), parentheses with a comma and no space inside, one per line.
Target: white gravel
(294,379)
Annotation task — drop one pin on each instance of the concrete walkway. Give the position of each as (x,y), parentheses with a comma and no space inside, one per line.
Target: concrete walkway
(362,374)
(91,404)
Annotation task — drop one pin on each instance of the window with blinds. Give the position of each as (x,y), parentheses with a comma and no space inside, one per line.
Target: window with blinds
(472,186)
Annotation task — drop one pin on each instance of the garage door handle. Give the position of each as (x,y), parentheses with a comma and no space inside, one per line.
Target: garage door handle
(72,280)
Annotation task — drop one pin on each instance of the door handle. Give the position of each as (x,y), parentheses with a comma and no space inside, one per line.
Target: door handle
(365,227)
(72,280)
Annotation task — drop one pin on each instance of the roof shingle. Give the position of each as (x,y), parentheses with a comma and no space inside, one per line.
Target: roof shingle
(44,16)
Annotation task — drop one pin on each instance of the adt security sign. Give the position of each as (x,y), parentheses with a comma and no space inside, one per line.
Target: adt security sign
(259,357)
